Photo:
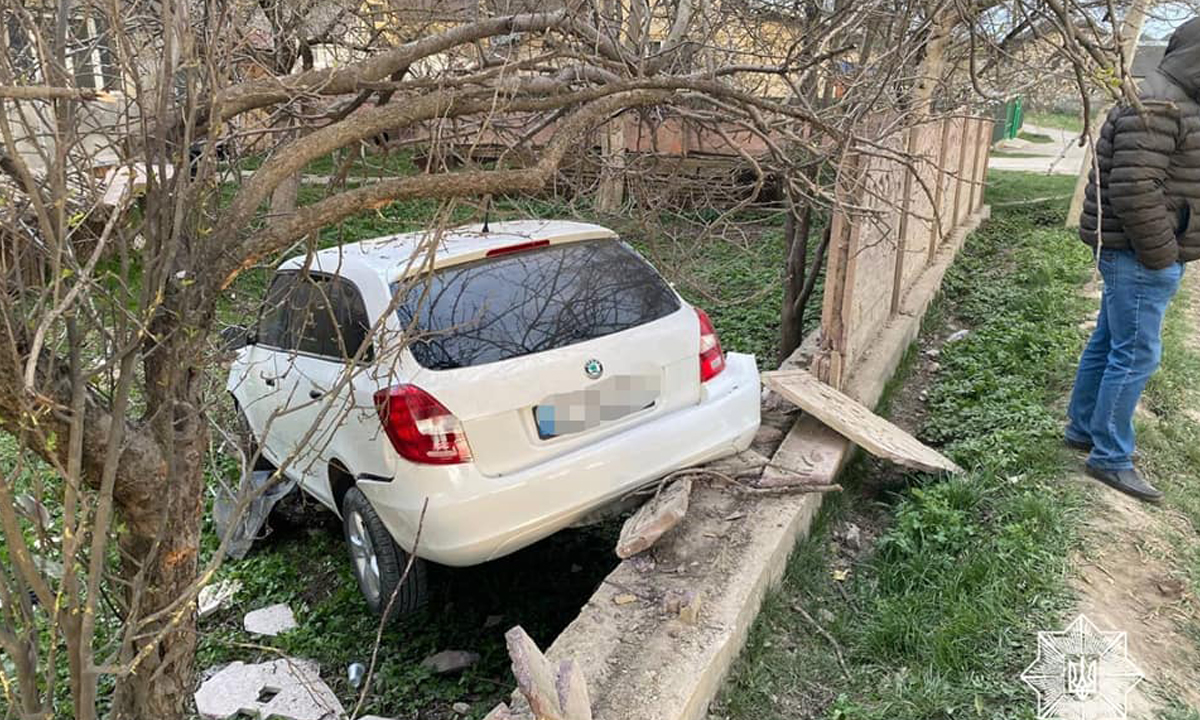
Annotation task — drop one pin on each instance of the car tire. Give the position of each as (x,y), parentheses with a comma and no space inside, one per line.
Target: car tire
(378,562)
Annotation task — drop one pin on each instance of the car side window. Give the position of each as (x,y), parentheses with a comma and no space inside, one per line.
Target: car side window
(351,314)
(328,318)
(273,322)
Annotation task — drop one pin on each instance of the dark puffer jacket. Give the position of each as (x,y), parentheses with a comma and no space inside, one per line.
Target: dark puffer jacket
(1150,165)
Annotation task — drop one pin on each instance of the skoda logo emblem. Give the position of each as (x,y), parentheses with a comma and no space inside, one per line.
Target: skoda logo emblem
(593,368)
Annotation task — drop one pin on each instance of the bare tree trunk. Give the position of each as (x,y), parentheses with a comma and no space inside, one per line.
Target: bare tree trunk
(611,193)
(791,324)
(161,544)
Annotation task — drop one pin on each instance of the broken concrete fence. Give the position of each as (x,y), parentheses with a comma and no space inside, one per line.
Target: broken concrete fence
(553,693)
(287,689)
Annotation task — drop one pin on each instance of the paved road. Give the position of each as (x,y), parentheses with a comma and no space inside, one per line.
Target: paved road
(1061,157)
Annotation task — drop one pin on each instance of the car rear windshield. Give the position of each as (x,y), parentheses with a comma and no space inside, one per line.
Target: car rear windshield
(529,302)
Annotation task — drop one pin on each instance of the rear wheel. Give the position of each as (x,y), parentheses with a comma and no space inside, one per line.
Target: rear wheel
(379,563)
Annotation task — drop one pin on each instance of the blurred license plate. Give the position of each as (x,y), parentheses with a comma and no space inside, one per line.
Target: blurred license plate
(602,402)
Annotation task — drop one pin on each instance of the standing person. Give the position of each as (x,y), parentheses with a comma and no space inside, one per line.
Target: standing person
(1143,223)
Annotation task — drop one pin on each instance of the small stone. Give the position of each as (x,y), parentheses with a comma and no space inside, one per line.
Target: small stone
(960,335)
(460,708)
(825,616)
(923,396)
(270,621)
(852,535)
(625,599)
(933,353)
(576,568)
(450,661)
(690,613)
(492,621)
(935,367)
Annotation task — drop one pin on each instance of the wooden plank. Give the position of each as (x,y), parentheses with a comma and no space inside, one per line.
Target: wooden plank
(855,422)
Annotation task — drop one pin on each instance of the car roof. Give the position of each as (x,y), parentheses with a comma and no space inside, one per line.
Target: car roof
(397,256)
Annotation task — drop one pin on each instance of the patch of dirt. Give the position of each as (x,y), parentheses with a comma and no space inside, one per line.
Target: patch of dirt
(1128,581)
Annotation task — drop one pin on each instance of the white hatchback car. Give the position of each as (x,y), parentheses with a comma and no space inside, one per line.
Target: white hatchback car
(483,388)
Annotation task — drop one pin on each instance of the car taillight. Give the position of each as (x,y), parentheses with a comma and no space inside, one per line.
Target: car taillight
(421,429)
(712,360)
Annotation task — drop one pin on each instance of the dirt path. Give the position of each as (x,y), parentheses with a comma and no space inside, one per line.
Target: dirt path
(1130,580)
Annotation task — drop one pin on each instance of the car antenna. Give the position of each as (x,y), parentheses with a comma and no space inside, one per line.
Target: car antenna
(487,212)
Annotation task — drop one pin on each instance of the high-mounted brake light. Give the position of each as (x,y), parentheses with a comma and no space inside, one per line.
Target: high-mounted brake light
(421,429)
(519,247)
(712,360)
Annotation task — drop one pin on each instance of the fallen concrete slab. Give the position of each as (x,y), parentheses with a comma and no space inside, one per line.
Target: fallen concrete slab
(288,689)
(642,662)
(857,423)
(270,621)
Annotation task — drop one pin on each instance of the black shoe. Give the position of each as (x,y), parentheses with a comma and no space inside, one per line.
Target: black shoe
(1129,482)
(1080,445)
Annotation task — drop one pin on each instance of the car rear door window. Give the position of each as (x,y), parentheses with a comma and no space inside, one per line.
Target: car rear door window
(514,305)
(273,322)
(315,314)
(328,318)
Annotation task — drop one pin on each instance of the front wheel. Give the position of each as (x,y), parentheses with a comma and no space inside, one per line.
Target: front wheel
(379,564)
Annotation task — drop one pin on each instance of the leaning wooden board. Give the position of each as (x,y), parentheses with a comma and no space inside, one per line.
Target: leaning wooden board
(854,421)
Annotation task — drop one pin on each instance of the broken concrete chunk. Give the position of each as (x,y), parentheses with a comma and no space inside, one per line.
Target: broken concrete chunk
(460,708)
(450,661)
(625,599)
(213,597)
(685,604)
(492,621)
(654,519)
(572,692)
(289,689)
(535,678)
(553,694)
(271,621)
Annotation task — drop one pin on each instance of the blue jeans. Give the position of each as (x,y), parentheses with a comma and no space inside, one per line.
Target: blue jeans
(1123,353)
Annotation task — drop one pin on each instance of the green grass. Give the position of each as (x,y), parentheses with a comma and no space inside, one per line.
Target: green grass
(1015,154)
(365,164)
(1060,120)
(938,618)
(1036,138)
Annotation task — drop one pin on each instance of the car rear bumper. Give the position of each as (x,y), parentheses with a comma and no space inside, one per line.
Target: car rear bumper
(472,518)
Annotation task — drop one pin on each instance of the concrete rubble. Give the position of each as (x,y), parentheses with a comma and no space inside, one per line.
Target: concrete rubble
(287,689)
(664,511)
(213,597)
(450,661)
(270,621)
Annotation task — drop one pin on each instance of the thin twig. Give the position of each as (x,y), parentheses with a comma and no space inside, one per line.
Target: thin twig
(837,649)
